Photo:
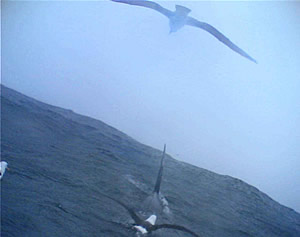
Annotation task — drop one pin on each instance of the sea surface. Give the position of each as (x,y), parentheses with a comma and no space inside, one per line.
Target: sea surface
(64,165)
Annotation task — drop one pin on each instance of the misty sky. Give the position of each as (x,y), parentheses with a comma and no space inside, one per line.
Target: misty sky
(212,107)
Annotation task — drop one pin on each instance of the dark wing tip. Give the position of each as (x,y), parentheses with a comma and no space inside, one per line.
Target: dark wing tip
(220,36)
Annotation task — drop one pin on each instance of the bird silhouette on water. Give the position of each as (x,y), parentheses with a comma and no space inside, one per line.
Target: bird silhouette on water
(147,226)
(180,18)
(154,204)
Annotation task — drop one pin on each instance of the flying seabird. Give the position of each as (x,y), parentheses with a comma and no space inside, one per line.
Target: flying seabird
(148,225)
(179,18)
(3,167)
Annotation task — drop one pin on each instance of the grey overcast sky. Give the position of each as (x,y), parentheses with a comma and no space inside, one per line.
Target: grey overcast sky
(212,107)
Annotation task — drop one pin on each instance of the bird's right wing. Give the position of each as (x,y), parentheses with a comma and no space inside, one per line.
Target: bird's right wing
(149,4)
(132,213)
(212,30)
(175,227)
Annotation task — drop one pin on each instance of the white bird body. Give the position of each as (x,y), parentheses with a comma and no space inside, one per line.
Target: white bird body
(152,219)
(3,167)
(141,229)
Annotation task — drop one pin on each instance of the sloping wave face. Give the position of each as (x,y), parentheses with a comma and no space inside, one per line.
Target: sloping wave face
(61,163)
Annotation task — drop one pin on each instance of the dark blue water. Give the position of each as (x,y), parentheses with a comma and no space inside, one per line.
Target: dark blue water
(62,164)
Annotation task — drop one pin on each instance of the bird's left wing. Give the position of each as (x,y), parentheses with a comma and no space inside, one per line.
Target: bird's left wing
(175,227)
(212,30)
(149,4)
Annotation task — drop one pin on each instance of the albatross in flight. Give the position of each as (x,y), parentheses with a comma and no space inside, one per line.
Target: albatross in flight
(148,225)
(179,18)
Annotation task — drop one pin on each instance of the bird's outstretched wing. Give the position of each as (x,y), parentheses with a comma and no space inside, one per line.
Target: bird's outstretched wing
(175,227)
(132,213)
(160,173)
(212,30)
(148,4)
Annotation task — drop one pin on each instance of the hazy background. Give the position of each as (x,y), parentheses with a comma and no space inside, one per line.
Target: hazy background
(213,108)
